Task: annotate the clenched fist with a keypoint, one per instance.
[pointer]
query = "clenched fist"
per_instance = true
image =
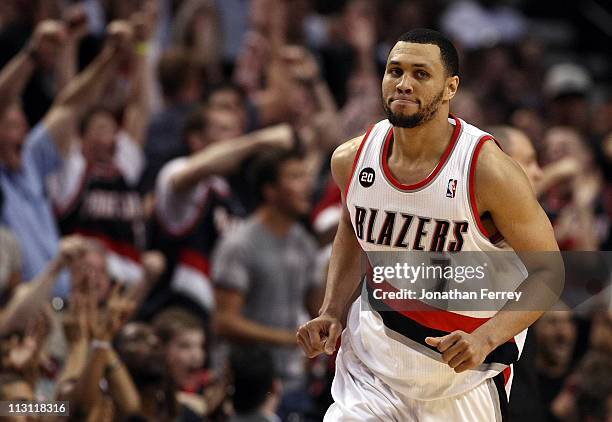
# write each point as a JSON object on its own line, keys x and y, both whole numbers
{"x": 319, "y": 335}
{"x": 461, "y": 350}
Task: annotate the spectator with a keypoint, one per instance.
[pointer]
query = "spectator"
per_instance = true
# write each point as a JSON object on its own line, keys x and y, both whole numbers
{"x": 572, "y": 182}
{"x": 195, "y": 206}
{"x": 95, "y": 191}
{"x": 256, "y": 387}
{"x": 138, "y": 347}
{"x": 183, "y": 339}
{"x": 263, "y": 270}
{"x": 518, "y": 146}
{"x": 181, "y": 86}
{"x": 555, "y": 337}
{"x": 587, "y": 394}
{"x": 28, "y": 158}
{"x": 566, "y": 86}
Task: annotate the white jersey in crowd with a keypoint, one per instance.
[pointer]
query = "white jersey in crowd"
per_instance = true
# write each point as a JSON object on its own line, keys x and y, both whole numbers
{"x": 437, "y": 214}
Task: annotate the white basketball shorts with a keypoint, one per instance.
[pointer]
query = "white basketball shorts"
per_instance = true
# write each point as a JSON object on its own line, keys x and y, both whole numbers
{"x": 361, "y": 397}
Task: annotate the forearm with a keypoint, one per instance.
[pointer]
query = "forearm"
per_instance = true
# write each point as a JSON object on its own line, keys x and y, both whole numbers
{"x": 13, "y": 78}
{"x": 87, "y": 390}
{"x": 539, "y": 291}
{"x": 219, "y": 158}
{"x": 76, "y": 98}
{"x": 32, "y": 296}
{"x": 66, "y": 65}
{"x": 241, "y": 329}
{"x": 324, "y": 98}
{"x": 75, "y": 362}
{"x": 344, "y": 274}
{"x": 122, "y": 388}
{"x": 138, "y": 109}
{"x": 365, "y": 62}
{"x": 87, "y": 87}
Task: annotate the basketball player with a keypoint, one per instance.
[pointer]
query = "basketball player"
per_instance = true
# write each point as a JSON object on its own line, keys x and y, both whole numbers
{"x": 424, "y": 180}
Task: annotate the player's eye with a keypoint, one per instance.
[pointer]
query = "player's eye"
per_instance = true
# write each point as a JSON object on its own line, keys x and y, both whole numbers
{"x": 395, "y": 71}
{"x": 421, "y": 74}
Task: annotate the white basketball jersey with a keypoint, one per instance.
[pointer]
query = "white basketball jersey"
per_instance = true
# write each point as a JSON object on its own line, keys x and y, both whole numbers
{"x": 437, "y": 214}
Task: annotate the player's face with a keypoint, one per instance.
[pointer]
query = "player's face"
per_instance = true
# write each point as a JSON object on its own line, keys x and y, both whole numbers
{"x": 99, "y": 138}
{"x": 524, "y": 154}
{"x": 185, "y": 355}
{"x": 293, "y": 190}
{"x": 415, "y": 84}
{"x": 13, "y": 130}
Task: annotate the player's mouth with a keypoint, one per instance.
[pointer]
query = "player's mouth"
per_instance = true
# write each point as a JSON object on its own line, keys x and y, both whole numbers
{"x": 404, "y": 101}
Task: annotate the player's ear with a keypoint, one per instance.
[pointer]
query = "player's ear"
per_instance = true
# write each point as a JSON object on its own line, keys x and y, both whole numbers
{"x": 452, "y": 84}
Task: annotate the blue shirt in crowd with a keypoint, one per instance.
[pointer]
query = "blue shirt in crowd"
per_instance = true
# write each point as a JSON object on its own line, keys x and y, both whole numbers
{"x": 27, "y": 210}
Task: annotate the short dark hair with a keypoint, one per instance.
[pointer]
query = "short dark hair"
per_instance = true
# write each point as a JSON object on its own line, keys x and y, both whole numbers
{"x": 172, "y": 321}
{"x": 174, "y": 70}
{"x": 98, "y": 109}
{"x": 226, "y": 85}
{"x": 253, "y": 375}
{"x": 266, "y": 167}
{"x": 448, "y": 52}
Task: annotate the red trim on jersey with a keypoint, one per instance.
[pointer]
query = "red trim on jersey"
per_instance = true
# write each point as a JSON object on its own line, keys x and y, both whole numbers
{"x": 363, "y": 141}
{"x": 195, "y": 260}
{"x": 433, "y": 174}
{"x": 428, "y": 316}
{"x": 472, "y": 180}
{"x": 507, "y": 373}
{"x": 189, "y": 227}
{"x": 125, "y": 249}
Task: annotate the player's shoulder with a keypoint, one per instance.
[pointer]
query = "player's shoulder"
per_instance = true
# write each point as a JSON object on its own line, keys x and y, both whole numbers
{"x": 495, "y": 165}
{"x": 499, "y": 179}
{"x": 343, "y": 158}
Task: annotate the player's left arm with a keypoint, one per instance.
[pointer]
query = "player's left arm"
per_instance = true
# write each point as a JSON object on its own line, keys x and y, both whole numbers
{"x": 504, "y": 191}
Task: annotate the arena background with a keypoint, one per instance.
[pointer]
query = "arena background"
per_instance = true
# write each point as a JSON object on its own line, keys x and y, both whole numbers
{"x": 175, "y": 310}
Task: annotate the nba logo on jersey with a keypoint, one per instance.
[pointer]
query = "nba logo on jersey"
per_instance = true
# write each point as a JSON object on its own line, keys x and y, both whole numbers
{"x": 451, "y": 188}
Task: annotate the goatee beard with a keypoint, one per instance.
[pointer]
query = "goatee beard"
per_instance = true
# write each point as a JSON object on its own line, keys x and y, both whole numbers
{"x": 414, "y": 120}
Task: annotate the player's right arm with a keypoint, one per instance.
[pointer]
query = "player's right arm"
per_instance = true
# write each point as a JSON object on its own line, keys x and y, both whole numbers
{"x": 321, "y": 334}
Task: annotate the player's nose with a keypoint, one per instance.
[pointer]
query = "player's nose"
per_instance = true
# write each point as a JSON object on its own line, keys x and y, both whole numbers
{"x": 404, "y": 84}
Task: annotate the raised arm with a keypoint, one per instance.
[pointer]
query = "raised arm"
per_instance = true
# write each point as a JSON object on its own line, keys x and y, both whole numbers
{"x": 82, "y": 92}
{"x": 343, "y": 277}
{"x": 224, "y": 156}
{"x": 32, "y": 296}
{"x": 66, "y": 65}
{"x": 138, "y": 108}
{"x": 504, "y": 191}
{"x": 17, "y": 72}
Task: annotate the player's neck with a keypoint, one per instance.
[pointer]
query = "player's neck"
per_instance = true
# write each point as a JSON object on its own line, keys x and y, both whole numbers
{"x": 274, "y": 219}
{"x": 424, "y": 141}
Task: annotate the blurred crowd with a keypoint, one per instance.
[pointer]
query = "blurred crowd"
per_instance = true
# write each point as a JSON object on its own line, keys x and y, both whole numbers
{"x": 167, "y": 208}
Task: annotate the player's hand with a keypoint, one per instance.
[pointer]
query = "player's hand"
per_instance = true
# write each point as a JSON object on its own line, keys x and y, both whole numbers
{"x": 460, "y": 350}
{"x": 319, "y": 335}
